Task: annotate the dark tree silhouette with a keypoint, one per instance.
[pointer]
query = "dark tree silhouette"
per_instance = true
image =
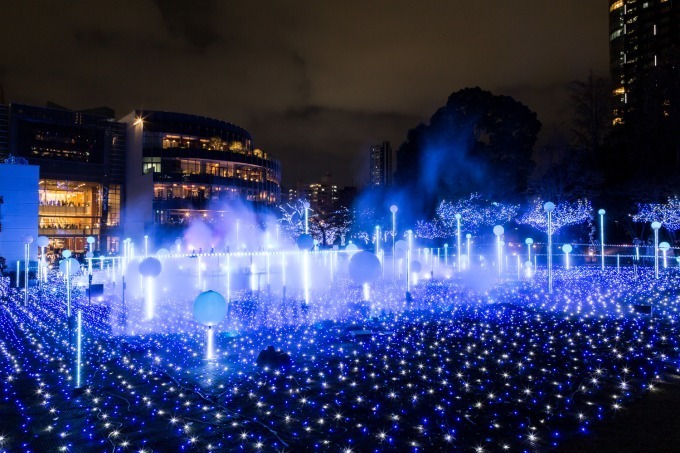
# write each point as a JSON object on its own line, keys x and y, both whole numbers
{"x": 478, "y": 142}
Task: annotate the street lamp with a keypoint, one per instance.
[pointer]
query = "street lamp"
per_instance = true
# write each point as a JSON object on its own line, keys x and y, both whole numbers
{"x": 566, "y": 248}
{"x": 549, "y": 207}
{"x": 393, "y": 210}
{"x": 306, "y": 205}
{"x": 498, "y": 230}
{"x": 655, "y": 227}
{"x": 528, "y": 242}
{"x": 28, "y": 239}
{"x": 602, "y": 212}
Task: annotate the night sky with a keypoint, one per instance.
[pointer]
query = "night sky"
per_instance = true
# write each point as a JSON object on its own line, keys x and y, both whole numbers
{"x": 315, "y": 82}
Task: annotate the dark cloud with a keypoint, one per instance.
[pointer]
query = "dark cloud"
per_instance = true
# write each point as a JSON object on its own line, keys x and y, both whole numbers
{"x": 315, "y": 82}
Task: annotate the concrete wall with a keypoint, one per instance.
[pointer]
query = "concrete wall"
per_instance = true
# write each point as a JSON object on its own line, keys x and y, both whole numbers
{"x": 19, "y": 212}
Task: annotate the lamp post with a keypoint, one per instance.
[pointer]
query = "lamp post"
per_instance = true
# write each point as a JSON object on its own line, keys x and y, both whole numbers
{"x": 549, "y": 207}
{"x": 408, "y": 261}
{"x": 655, "y": 227}
{"x": 567, "y": 248}
{"x": 528, "y": 242}
{"x": 146, "y": 245}
{"x": 498, "y": 230}
{"x": 377, "y": 241}
{"x": 602, "y": 212}
{"x": 458, "y": 216}
{"x": 178, "y": 243}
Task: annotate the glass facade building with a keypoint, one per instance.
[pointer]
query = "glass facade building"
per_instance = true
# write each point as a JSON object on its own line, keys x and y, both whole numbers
{"x": 201, "y": 166}
{"x": 82, "y": 171}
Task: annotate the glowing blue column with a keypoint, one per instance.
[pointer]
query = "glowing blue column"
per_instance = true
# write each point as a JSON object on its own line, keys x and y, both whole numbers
{"x": 549, "y": 207}
{"x": 602, "y": 213}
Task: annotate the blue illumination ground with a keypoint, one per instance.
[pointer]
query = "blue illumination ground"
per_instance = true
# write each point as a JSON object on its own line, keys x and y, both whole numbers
{"x": 511, "y": 368}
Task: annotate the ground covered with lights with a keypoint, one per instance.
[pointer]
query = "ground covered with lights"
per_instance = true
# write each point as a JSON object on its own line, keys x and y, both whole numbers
{"x": 455, "y": 367}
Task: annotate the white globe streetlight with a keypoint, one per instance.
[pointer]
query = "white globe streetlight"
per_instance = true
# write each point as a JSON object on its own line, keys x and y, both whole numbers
{"x": 458, "y": 216}
{"x": 468, "y": 237}
{"x": 498, "y": 230}
{"x": 664, "y": 247}
{"x": 567, "y": 248}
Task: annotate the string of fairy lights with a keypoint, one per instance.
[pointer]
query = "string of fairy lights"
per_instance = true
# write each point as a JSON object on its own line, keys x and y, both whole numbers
{"x": 457, "y": 366}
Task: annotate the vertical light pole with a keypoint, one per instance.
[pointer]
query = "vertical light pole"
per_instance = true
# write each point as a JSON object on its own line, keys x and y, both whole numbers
{"x": 602, "y": 212}
{"x": 458, "y": 216}
{"x": 146, "y": 245}
{"x": 549, "y": 207}
{"x": 529, "y": 242}
{"x": 498, "y": 230}
{"x": 664, "y": 247}
{"x": 408, "y": 260}
{"x": 655, "y": 227}
{"x": 43, "y": 241}
{"x": 377, "y": 241}
{"x": 28, "y": 239}
{"x": 446, "y": 256}
{"x": 469, "y": 257}
{"x": 178, "y": 243}
{"x": 306, "y": 205}
{"x": 393, "y": 210}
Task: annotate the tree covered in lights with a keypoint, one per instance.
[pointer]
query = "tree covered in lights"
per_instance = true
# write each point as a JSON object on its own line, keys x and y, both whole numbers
{"x": 328, "y": 227}
{"x": 476, "y": 212}
{"x": 566, "y": 213}
{"x": 293, "y": 218}
{"x": 667, "y": 213}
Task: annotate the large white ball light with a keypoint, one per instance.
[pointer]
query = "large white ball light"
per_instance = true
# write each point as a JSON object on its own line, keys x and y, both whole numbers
{"x": 305, "y": 242}
{"x": 42, "y": 241}
{"x": 210, "y": 308}
{"x": 150, "y": 267}
{"x": 364, "y": 267}
{"x": 72, "y": 270}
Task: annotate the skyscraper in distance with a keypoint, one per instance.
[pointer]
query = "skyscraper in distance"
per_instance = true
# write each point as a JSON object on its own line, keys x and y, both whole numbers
{"x": 380, "y": 165}
{"x": 642, "y": 34}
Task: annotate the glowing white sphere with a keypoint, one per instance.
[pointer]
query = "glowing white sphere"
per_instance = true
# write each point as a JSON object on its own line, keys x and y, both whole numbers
{"x": 162, "y": 252}
{"x": 664, "y": 246}
{"x": 656, "y": 225}
{"x": 90, "y": 239}
{"x": 42, "y": 241}
{"x": 528, "y": 264}
{"x": 351, "y": 248}
{"x": 150, "y": 267}
{"x": 498, "y": 230}
{"x": 27, "y": 238}
{"x": 549, "y": 206}
{"x": 529, "y": 241}
{"x": 210, "y": 308}
{"x": 70, "y": 265}
{"x": 66, "y": 253}
{"x": 394, "y": 209}
{"x": 602, "y": 212}
{"x": 89, "y": 255}
{"x": 468, "y": 235}
{"x": 305, "y": 242}
{"x": 567, "y": 248}
{"x": 364, "y": 267}
{"x": 178, "y": 241}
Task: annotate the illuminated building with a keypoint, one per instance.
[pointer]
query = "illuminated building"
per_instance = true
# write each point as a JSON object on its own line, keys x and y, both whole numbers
{"x": 380, "y": 165}
{"x": 182, "y": 167}
{"x": 641, "y": 34}
{"x": 81, "y": 159}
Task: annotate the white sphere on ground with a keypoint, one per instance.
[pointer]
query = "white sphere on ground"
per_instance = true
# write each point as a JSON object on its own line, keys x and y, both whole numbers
{"x": 416, "y": 266}
{"x": 664, "y": 246}
{"x": 69, "y": 266}
{"x": 150, "y": 267}
{"x": 351, "y": 248}
{"x": 305, "y": 242}
{"x": 364, "y": 267}
{"x": 567, "y": 248}
{"x": 498, "y": 230}
{"x": 210, "y": 308}
{"x": 66, "y": 253}
{"x": 42, "y": 241}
